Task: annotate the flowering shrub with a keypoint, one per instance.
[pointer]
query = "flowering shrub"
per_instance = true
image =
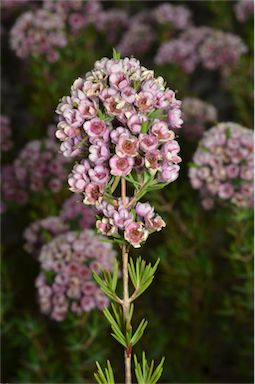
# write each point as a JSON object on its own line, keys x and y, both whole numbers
{"x": 65, "y": 281}
{"x": 38, "y": 33}
{"x": 6, "y": 133}
{"x": 196, "y": 115}
{"x": 222, "y": 166}
{"x": 211, "y": 48}
{"x": 120, "y": 117}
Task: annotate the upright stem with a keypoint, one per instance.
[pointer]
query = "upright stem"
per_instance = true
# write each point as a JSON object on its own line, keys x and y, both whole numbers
{"x": 126, "y": 303}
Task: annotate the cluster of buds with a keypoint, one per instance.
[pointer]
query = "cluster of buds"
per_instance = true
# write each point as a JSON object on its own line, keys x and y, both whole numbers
{"x": 65, "y": 284}
{"x": 5, "y": 136}
{"x": 204, "y": 46}
{"x": 197, "y": 114}
{"x": 222, "y": 167}
{"x": 120, "y": 118}
{"x": 38, "y": 33}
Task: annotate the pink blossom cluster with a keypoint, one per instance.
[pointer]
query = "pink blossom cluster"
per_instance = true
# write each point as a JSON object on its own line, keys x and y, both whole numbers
{"x": 136, "y": 224}
{"x": 177, "y": 16}
{"x": 42, "y": 231}
{"x": 120, "y": 118}
{"x": 38, "y": 33}
{"x": 38, "y": 167}
{"x": 197, "y": 114}
{"x": 73, "y": 210}
{"x": 111, "y": 22}
{"x": 204, "y": 46}
{"x": 137, "y": 40}
{"x": 76, "y": 14}
{"x": 5, "y": 134}
{"x": 222, "y": 166}
{"x": 65, "y": 283}
{"x": 244, "y": 9}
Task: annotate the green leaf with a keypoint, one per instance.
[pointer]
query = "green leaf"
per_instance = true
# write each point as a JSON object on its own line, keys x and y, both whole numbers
{"x": 145, "y": 126}
{"x": 145, "y": 373}
{"x": 104, "y": 378}
{"x": 139, "y": 332}
{"x": 116, "y": 54}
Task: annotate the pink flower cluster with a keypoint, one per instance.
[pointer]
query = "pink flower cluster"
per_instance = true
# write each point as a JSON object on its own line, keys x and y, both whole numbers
{"x": 196, "y": 115}
{"x": 41, "y": 231}
{"x": 244, "y": 9}
{"x": 136, "y": 224}
{"x": 111, "y": 22}
{"x": 178, "y": 16}
{"x": 223, "y": 165}
{"x": 121, "y": 118}
{"x": 37, "y": 33}
{"x": 76, "y": 14}
{"x": 137, "y": 39}
{"x": 65, "y": 283}
{"x": 73, "y": 210}
{"x": 38, "y": 166}
{"x": 5, "y": 133}
{"x": 210, "y": 48}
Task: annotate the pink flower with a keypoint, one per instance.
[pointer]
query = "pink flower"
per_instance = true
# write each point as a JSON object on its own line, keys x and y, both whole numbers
{"x": 87, "y": 303}
{"x": 152, "y": 159}
{"x": 87, "y": 108}
{"x": 134, "y": 122}
{"x": 95, "y": 127}
{"x": 169, "y": 173}
{"x": 128, "y": 94}
{"x": 135, "y": 234}
{"x": 148, "y": 142}
{"x": 73, "y": 118}
{"x": 105, "y": 227}
{"x": 99, "y": 174}
{"x": 121, "y": 166}
{"x": 99, "y": 152}
{"x": 93, "y": 193}
{"x": 127, "y": 146}
{"x": 118, "y": 80}
{"x": 144, "y": 210}
{"x": 122, "y": 218}
{"x": 174, "y": 118}
{"x": 144, "y": 101}
{"x": 169, "y": 151}
{"x": 160, "y": 129}
{"x": 226, "y": 191}
{"x": 155, "y": 223}
{"x": 78, "y": 179}
{"x": 116, "y": 133}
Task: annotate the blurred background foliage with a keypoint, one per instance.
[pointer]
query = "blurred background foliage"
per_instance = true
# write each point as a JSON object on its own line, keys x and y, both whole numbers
{"x": 200, "y": 304}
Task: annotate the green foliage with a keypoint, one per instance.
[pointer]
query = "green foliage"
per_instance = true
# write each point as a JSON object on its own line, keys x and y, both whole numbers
{"x": 145, "y": 373}
{"x": 108, "y": 283}
{"x": 107, "y": 377}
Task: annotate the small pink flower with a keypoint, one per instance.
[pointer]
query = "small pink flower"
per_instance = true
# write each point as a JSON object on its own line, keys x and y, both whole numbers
{"x": 135, "y": 234}
{"x": 144, "y": 101}
{"x": 87, "y": 303}
{"x": 122, "y": 218}
{"x": 148, "y": 142}
{"x": 127, "y": 146}
{"x": 95, "y": 127}
{"x": 117, "y": 132}
{"x": 105, "y": 227}
{"x": 93, "y": 194}
{"x": 134, "y": 123}
{"x": 121, "y": 166}
{"x": 152, "y": 159}
{"x": 118, "y": 80}
{"x": 169, "y": 151}
{"x": 73, "y": 118}
{"x": 114, "y": 105}
{"x": 99, "y": 152}
{"x": 155, "y": 223}
{"x": 174, "y": 118}
{"x": 78, "y": 179}
{"x": 87, "y": 108}
{"x": 232, "y": 170}
{"x": 226, "y": 191}
{"x": 144, "y": 210}
{"x": 128, "y": 94}
{"x": 160, "y": 129}
{"x": 99, "y": 174}
{"x": 169, "y": 173}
